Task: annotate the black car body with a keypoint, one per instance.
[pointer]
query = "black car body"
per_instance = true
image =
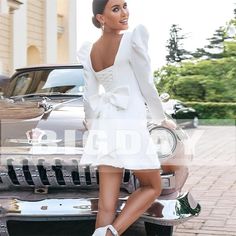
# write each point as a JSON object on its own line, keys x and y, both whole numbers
{"x": 184, "y": 115}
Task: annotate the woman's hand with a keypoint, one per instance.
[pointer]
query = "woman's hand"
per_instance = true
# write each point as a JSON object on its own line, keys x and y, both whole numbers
{"x": 168, "y": 124}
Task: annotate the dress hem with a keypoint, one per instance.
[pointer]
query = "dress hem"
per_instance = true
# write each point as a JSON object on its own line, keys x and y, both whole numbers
{"x": 123, "y": 167}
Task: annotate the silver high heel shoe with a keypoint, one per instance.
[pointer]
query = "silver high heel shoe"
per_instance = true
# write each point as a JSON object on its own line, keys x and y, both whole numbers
{"x": 101, "y": 231}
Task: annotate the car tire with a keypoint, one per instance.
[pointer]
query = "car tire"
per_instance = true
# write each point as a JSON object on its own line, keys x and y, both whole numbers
{"x": 158, "y": 230}
{"x": 195, "y": 122}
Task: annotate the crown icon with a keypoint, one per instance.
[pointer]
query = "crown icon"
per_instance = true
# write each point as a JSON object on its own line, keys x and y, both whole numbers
{"x": 35, "y": 136}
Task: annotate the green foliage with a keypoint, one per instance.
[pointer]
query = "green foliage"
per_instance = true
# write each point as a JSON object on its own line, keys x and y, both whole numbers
{"x": 210, "y": 110}
{"x": 230, "y": 49}
{"x": 209, "y": 76}
{"x": 183, "y": 87}
{"x": 206, "y": 80}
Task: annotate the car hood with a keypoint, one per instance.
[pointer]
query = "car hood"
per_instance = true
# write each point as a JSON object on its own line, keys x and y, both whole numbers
{"x": 61, "y": 124}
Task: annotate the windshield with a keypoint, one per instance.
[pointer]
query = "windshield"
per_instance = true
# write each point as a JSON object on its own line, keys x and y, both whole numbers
{"x": 67, "y": 81}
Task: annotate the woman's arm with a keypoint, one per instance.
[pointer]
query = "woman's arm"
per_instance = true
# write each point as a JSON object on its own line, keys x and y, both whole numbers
{"x": 140, "y": 62}
{"x": 91, "y": 86}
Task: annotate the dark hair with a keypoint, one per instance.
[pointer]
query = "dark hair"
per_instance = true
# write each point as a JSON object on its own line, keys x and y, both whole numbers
{"x": 98, "y": 8}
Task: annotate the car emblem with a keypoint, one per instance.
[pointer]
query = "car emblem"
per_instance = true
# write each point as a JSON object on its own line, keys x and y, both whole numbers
{"x": 35, "y": 136}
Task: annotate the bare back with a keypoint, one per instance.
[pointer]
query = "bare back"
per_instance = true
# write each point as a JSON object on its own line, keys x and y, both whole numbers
{"x": 104, "y": 52}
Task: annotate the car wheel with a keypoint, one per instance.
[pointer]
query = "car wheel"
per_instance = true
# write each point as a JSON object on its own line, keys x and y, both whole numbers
{"x": 195, "y": 122}
{"x": 158, "y": 230}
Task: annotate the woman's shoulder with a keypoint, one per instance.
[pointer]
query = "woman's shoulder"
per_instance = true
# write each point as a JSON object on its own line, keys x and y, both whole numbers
{"x": 84, "y": 51}
{"x": 140, "y": 29}
{"x": 139, "y": 36}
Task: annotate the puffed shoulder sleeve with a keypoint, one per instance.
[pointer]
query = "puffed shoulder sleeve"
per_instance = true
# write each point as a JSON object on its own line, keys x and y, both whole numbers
{"x": 91, "y": 84}
{"x": 140, "y": 62}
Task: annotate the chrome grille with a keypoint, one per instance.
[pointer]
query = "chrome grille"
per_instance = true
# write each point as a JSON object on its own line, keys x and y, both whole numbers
{"x": 56, "y": 174}
{"x": 61, "y": 172}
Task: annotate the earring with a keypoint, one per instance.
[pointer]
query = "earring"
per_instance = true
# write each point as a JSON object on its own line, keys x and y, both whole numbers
{"x": 102, "y": 26}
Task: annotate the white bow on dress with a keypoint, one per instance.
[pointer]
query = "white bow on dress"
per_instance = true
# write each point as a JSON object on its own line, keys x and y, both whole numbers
{"x": 103, "y": 103}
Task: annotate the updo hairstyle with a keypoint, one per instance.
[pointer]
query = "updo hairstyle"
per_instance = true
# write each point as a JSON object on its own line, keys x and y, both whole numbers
{"x": 98, "y": 8}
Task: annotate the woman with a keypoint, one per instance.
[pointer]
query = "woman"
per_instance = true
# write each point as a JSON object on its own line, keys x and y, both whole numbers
{"x": 117, "y": 118}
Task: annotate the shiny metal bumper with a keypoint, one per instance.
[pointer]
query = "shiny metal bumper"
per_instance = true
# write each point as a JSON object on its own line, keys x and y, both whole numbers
{"x": 162, "y": 212}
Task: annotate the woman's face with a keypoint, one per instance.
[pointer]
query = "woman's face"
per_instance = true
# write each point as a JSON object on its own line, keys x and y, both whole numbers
{"x": 115, "y": 15}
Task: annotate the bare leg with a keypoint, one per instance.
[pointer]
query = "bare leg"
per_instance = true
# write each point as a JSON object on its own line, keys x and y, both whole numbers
{"x": 109, "y": 189}
{"x": 140, "y": 200}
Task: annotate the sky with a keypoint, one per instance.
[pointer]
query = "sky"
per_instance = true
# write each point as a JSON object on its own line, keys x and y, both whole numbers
{"x": 197, "y": 18}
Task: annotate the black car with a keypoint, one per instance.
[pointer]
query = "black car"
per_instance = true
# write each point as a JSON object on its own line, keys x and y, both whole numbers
{"x": 184, "y": 115}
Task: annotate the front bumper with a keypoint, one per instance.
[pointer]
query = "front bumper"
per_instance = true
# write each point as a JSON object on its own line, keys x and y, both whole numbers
{"x": 162, "y": 212}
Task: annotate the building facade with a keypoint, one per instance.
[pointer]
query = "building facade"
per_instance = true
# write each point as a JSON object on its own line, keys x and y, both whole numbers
{"x": 36, "y": 32}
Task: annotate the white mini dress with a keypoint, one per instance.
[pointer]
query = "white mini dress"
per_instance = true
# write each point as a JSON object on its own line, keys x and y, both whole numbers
{"x": 118, "y": 135}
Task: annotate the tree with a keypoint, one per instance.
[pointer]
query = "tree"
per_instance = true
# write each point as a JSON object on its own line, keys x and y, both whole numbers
{"x": 200, "y": 53}
{"x": 217, "y": 46}
{"x": 202, "y": 80}
{"x": 216, "y": 43}
{"x": 205, "y": 80}
{"x": 176, "y": 53}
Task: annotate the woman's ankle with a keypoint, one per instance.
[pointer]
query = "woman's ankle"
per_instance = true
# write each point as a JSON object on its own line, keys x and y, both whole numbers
{"x": 111, "y": 231}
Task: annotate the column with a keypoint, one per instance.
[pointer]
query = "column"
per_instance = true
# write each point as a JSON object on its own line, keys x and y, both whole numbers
{"x": 51, "y": 31}
{"x": 3, "y": 7}
{"x": 19, "y": 36}
{"x": 72, "y": 28}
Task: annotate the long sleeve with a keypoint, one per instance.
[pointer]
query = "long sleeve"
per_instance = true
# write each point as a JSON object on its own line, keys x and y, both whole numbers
{"x": 91, "y": 84}
{"x": 141, "y": 66}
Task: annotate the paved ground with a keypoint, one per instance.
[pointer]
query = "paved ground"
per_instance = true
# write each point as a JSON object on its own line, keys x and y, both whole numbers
{"x": 212, "y": 181}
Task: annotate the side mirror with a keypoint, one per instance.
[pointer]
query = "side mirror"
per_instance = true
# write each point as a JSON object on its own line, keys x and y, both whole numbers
{"x": 165, "y": 97}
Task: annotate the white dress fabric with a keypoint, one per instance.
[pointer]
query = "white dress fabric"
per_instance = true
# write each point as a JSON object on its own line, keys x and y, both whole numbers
{"x": 117, "y": 118}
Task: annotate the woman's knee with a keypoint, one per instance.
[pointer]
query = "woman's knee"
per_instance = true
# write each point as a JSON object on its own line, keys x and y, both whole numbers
{"x": 157, "y": 190}
{"x": 154, "y": 188}
{"x": 157, "y": 186}
{"x": 152, "y": 180}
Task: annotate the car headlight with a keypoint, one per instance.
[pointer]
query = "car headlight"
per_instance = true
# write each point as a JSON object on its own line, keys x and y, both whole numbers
{"x": 165, "y": 140}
